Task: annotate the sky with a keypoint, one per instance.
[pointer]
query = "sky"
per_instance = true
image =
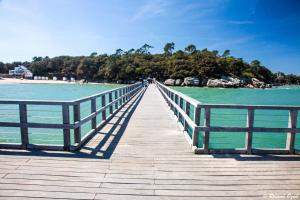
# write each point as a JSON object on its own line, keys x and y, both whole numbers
{"x": 267, "y": 30}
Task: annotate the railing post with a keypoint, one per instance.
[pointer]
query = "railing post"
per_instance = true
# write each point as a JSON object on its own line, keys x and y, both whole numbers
{"x": 290, "y": 142}
{"x": 175, "y": 108}
{"x": 23, "y": 120}
{"x": 171, "y": 98}
{"x": 121, "y": 98}
{"x": 110, "y": 100}
{"x": 129, "y": 91}
{"x": 195, "y": 136}
{"x": 124, "y": 96}
{"x": 206, "y": 132}
{"x": 77, "y": 131}
{"x": 103, "y": 104}
{"x": 187, "y": 111}
{"x": 66, "y": 131}
{"x": 249, "y": 133}
{"x": 168, "y": 95}
{"x": 181, "y": 106}
{"x": 93, "y": 110}
{"x": 116, "y": 97}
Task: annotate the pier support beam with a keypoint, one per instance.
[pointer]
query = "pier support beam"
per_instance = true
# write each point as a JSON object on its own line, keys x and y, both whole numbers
{"x": 249, "y": 134}
{"x": 77, "y": 131}
{"x": 206, "y": 133}
{"x": 66, "y": 131}
{"x": 23, "y": 120}
{"x": 290, "y": 142}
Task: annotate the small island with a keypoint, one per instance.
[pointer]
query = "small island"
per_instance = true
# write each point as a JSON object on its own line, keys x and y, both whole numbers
{"x": 187, "y": 67}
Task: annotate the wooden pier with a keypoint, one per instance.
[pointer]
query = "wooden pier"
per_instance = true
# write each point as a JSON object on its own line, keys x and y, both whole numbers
{"x": 141, "y": 153}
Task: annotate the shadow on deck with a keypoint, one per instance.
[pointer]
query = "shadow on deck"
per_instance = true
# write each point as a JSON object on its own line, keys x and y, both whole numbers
{"x": 262, "y": 157}
{"x": 112, "y": 132}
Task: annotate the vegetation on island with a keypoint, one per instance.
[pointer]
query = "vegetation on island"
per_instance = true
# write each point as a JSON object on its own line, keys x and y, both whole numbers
{"x": 135, "y": 64}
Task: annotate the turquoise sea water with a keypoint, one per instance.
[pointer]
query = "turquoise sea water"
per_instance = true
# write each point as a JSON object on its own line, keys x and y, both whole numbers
{"x": 289, "y": 95}
{"x": 43, "y": 113}
{"x": 285, "y": 95}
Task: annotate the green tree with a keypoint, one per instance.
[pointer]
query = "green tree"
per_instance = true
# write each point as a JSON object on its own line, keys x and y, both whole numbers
{"x": 3, "y": 68}
{"x": 226, "y": 53}
{"x": 190, "y": 49}
{"x": 93, "y": 54}
{"x": 136, "y": 64}
{"x": 119, "y": 52}
{"x": 144, "y": 49}
{"x": 169, "y": 47}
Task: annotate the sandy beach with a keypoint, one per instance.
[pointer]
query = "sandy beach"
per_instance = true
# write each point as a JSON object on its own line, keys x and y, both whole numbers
{"x": 24, "y": 81}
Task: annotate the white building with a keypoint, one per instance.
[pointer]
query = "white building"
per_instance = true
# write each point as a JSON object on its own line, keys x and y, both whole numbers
{"x": 21, "y": 71}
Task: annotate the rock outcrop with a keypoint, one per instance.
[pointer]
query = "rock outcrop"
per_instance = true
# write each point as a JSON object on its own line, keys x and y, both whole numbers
{"x": 259, "y": 84}
{"x": 225, "y": 82}
{"x": 178, "y": 82}
{"x": 191, "y": 81}
{"x": 169, "y": 82}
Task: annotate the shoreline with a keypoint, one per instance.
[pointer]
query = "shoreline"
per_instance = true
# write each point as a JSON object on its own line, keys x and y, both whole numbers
{"x": 30, "y": 81}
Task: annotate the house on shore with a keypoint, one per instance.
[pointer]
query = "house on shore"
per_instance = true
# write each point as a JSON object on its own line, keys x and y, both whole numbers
{"x": 21, "y": 71}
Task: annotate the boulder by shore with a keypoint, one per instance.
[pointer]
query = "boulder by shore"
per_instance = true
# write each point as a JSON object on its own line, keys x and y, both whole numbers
{"x": 223, "y": 82}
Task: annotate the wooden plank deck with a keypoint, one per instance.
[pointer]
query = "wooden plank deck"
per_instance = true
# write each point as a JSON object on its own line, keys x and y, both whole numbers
{"x": 142, "y": 154}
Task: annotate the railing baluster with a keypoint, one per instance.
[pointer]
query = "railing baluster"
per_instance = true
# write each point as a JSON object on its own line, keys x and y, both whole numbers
{"x": 130, "y": 91}
{"x": 23, "y": 120}
{"x": 66, "y": 131}
{"x": 103, "y": 104}
{"x": 124, "y": 97}
{"x": 290, "y": 142}
{"x": 187, "y": 111}
{"x": 121, "y": 98}
{"x": 126, "y": 91}
{"x": 77, "y": 131}
{"x": 93, "y": 110}
{"x": 249, "y": 134}
{"x": 171, "y": 97}
{"x": 195, "y": 136}
{"x": 181, "y": 106}
{"x": 111, "y": 106}
{"x": 176, "y": 112}
{"x": 116, "y": 97}
{"x": 206, "y": 133}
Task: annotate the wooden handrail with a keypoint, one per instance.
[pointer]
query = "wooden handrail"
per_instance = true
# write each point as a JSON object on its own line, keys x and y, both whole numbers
{"x": 172, "y": 97}
{"x": 125, "y": 94}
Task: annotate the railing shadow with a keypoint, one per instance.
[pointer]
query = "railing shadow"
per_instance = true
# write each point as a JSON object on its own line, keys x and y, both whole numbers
{"x": 121, "y": 119}
{"x": 122, "y": 122}
{"x": 257, "y": 157}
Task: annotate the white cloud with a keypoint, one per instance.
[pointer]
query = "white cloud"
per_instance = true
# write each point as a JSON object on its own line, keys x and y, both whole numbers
{"x": 150, "y": 9}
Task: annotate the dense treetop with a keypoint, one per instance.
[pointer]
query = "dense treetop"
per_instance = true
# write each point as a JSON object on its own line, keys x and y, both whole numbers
{"x": 134, "y": 64}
